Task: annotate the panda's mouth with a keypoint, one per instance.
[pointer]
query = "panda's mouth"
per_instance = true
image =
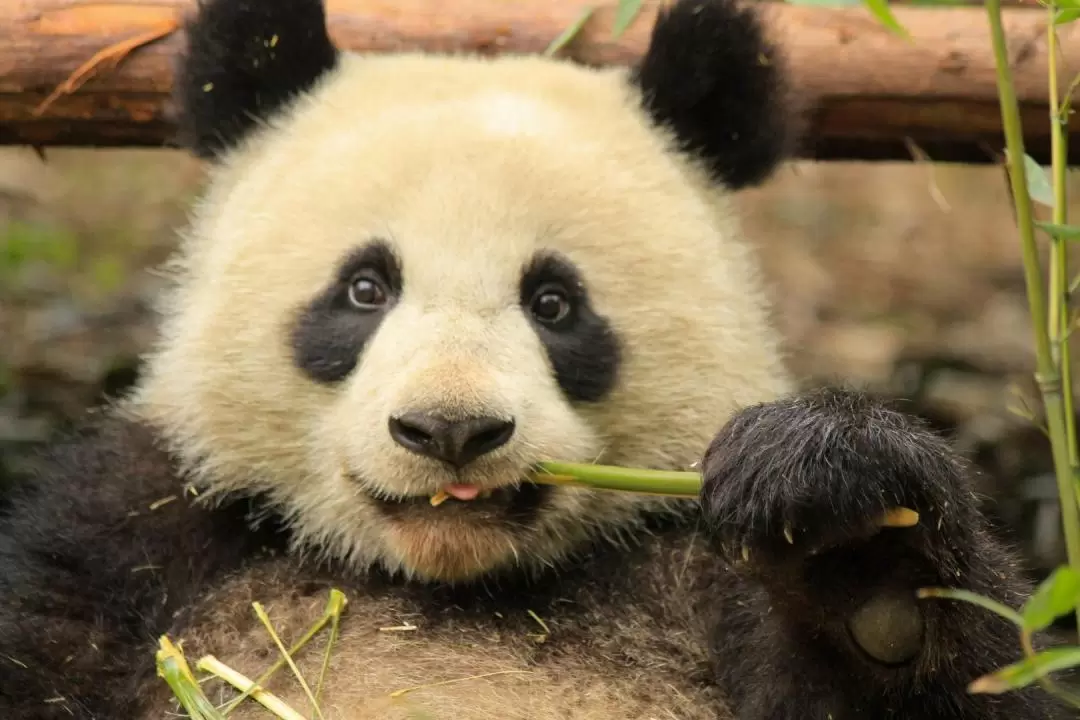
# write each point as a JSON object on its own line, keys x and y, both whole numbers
{"x": 518, "y": 503}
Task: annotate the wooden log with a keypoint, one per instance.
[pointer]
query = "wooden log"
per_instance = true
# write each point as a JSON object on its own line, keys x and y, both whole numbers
{"x": 870, "y": 93}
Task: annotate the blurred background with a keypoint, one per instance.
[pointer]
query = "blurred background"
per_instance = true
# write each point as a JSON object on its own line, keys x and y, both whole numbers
{"x": 903, "y": 278}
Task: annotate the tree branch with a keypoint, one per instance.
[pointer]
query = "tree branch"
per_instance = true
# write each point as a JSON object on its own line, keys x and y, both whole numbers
{"x": 869, "y": 93}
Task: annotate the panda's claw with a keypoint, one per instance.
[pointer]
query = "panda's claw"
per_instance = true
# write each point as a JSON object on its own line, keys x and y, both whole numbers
{"x": 900, "y": 517}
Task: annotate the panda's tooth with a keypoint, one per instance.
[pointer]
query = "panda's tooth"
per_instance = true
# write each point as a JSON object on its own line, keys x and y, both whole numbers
{"x": 439, "y": 498}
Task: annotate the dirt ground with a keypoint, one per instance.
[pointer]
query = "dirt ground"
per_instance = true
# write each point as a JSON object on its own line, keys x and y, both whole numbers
{"x": 900, "y": 277}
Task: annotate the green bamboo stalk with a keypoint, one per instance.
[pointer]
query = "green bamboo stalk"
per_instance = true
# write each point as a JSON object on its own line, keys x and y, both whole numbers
{"x": 1060, "y": 248}
{"x": 173, "y": 667}
{"x": 335, "y": 605}
{"x": 1047, "y": 375}
{"x": 609, "y": 477}
{"x": 277, "y": 707}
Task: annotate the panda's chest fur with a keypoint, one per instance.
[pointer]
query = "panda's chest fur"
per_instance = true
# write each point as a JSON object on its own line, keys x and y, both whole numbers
{"x": 610, "y": 640}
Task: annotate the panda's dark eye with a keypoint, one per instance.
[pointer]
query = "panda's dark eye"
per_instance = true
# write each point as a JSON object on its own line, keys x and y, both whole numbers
{"x": 550, "y": 305}
{"x": 367, "y": 291}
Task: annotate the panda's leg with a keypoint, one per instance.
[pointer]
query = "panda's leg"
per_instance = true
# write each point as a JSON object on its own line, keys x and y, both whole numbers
{"x": 822, "y": 618}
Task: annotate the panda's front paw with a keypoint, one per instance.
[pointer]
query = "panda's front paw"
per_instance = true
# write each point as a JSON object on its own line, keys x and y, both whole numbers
{"x": 799, "y": 476}
{"x": 818, "y": 614}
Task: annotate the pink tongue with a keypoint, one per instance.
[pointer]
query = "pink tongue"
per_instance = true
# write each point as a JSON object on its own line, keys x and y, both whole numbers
{"x": 461, "y": 491}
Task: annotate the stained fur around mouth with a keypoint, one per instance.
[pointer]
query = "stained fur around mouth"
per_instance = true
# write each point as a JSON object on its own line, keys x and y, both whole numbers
{"x": 510, "y": 503}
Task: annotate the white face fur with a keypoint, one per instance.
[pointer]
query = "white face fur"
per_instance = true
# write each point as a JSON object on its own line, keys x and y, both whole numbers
{"x": 466, "y": 172}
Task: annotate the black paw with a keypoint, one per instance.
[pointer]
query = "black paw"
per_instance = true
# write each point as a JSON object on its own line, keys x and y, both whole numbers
{"x": 798, "y": 476}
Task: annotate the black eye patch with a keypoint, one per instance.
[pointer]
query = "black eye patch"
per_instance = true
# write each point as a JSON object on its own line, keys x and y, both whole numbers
{"x": 581, "y": 345}
{"x": 330, "y": 332}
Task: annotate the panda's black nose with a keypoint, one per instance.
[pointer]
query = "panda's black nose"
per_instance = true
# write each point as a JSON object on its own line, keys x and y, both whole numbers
{"x": 456, "y": 442}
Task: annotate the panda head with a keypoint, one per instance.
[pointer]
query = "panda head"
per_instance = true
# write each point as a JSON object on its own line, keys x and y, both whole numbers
{"x": 413, "y": 273}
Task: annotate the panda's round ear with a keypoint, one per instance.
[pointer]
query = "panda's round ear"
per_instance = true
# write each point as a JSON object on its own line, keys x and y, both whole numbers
{"x": 243, "y": 61}
{"x": 713, "y": 79}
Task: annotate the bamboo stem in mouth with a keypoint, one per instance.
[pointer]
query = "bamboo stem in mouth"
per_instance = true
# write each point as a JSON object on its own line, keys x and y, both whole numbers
{"x": 673, "y": 483}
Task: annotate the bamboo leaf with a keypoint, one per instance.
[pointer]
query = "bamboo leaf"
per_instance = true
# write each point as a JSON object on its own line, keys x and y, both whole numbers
{"x": 881, "y": 10}
{"x": 569, "y": 33}
{"x": 970, "y": 597}
{"x": 1061, "y": 232}
{"x": 1055, "y": 596}
{"x": 624, "y": 15}
{"x": 1038, "y": 182}
{"x": 1027, "y": 671}
{"x": 1065, "y": 16}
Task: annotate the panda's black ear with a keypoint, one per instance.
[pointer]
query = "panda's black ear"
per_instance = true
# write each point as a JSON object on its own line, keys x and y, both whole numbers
{"x": 713, "y": 79}
{"x": 243, "y": 61}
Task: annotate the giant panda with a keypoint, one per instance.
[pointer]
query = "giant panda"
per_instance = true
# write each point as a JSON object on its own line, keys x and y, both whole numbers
{"x": 420, "y": 274}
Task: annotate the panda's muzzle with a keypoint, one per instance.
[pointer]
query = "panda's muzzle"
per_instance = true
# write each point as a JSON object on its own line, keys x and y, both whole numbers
{"x": 456, "y": 442}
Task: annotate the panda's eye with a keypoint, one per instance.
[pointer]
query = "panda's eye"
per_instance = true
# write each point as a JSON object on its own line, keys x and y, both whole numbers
{"x": 367, "y": 292}
{"x": 550, "y": 305}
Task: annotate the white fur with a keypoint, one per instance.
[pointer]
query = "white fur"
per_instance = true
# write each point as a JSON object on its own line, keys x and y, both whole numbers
{"x": 466, "y": 167}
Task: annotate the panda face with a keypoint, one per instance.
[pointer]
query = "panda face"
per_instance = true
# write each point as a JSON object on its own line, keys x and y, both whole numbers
{"x": 428, "y": 275}
{"x": 451, "y": 369}
{"x": 456, "y": 374}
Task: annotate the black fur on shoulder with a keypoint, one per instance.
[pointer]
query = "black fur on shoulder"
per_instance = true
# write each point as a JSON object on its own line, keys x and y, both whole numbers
{"x": 98, "y": 551}
{"x": 711, "y": 77}
{"x": 245, "y": 60}
{"x": 795, "y": 491}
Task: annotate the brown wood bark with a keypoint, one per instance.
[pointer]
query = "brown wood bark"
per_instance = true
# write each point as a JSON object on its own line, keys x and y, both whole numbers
{"x": 870, "y": 94}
